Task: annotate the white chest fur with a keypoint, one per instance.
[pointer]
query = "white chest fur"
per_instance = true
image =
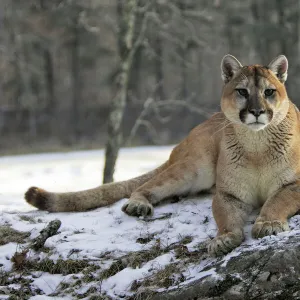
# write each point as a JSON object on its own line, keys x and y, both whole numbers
{"x": 255, "y": 170}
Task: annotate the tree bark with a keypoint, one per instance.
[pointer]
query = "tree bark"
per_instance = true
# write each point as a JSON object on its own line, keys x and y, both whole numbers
{"x": 75, "y": 79}
{"x": 49, "y": 81}
{"x": 159, "y": 72}
{"x": 183, "y": 56}
{"x": 158, "y": 63}
{"x": 127, "y": 48}
{"x": 281, "y": 21}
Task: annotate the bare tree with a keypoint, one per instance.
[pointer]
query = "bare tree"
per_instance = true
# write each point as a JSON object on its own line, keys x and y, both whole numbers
{"x": 127, "y": 11}
{"x": 75, "y": 73}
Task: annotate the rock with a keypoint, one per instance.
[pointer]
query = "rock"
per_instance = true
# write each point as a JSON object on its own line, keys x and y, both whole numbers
{"x": 268, "y": 273}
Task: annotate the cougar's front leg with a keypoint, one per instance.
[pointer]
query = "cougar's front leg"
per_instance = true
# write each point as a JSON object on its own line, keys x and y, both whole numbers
{"x": 230, "y": 214}
{"x": 176, "y": 180}
{"x": 276, "y": 210}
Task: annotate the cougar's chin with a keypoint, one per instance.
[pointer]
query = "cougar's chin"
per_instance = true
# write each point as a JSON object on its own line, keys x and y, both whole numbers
{"x": 256, "y": 126}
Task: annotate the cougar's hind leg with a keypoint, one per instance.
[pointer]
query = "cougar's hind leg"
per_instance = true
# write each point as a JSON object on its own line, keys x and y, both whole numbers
{"x": 178, "y": 179}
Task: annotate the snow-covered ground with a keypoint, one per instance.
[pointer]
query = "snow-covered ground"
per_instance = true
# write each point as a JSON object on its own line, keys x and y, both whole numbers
{"x": 104, "y": 234}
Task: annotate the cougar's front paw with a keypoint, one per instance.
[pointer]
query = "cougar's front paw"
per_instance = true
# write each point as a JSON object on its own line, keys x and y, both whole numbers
{"x": 224, "y": 243}
{"x": 138, "y": 208}
{"x": 264, "y": 228}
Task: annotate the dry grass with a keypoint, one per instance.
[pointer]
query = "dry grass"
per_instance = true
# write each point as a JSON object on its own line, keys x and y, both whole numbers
{"x": 61, "y": 266}
{"x": 29, "y": 219}
{"x": 10, "y": 235}
{"x": 165, "y": 277}
{"x": 137, "y": 259}
{"x": 21, "y": 275}
{"x": 14, "y": 292}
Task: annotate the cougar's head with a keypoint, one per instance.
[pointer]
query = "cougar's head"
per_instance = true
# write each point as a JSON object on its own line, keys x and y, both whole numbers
{"x": 254, "y": 96}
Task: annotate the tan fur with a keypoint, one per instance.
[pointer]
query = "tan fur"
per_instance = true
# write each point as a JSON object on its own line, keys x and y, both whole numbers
{"x": 251, "y": 163}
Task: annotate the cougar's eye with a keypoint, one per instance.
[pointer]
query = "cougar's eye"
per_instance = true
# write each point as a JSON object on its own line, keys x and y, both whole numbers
{"x": 269, "y": 92}
{"x": 242, "y": 92}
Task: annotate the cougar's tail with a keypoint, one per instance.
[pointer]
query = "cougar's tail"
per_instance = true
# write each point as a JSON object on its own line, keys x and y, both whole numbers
{"x": 84, "y": 200}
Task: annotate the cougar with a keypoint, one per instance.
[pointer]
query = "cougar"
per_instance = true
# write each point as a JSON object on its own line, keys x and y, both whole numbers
{"x": 249, "y": 153}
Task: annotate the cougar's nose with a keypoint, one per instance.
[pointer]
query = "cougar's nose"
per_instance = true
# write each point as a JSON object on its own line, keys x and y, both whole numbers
{"x": 256, "y": 112}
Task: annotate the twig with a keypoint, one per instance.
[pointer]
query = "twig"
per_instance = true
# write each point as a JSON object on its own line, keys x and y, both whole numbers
{"x": 155, "y": 106}
{"x": 19, "y": 258}
{"x": 50, "y": 230}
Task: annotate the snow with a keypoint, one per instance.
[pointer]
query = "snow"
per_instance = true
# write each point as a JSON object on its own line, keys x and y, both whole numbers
{"x": 121, "y": 282}
{"x": 68, "y": 171}
{"x": 5, "y": 255}
{"x": 42, "y": 297}
{"x": 91, "y": 235}
{"x": 48, "y": 282}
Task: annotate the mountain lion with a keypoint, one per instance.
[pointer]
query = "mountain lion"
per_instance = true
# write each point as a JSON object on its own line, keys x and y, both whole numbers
{"x": 250, "y": 152}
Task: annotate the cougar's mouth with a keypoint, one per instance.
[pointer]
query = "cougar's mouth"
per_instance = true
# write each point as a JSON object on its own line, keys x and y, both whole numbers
{"x": 256, "y": 126}
{"x": 256, "y": 123}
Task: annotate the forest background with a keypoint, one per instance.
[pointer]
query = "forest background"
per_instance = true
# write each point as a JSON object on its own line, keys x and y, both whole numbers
{"x": 81, "y": 74}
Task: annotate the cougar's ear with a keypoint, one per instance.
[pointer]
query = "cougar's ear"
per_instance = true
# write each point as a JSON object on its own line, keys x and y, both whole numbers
{"x": 279, "y": 67}
{"x": 229, "y": 66}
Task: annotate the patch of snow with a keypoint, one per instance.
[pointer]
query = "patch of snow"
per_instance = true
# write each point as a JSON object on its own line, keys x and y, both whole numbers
{"x": 121, "y": 282}
{"x": 43, "y": 297}
{"x": 229, "y": 256}
{"x": 196, "y": 272}
{"x": 6, "y": 252}
{"x": 70, "y": 171}
{"x": 48, "y": 283}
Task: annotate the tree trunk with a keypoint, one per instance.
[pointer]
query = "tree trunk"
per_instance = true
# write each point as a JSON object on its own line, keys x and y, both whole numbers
{"x": 298, "y": 31}
{"x": 158, "y": 63}
{"x": 259, "y": 30}
{"x": 159, "y": 72}
{"x": 49, "y": 81}
{"x": 75, "y": 80}
{"x": 17, "y": 87}
{"x": 127, "y": 47}
{"x": 280, "y": 6}
{"x": 183, "y": 56}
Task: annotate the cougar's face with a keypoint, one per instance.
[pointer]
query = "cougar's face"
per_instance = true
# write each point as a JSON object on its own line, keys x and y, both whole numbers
{"x": 254, "y": 97}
